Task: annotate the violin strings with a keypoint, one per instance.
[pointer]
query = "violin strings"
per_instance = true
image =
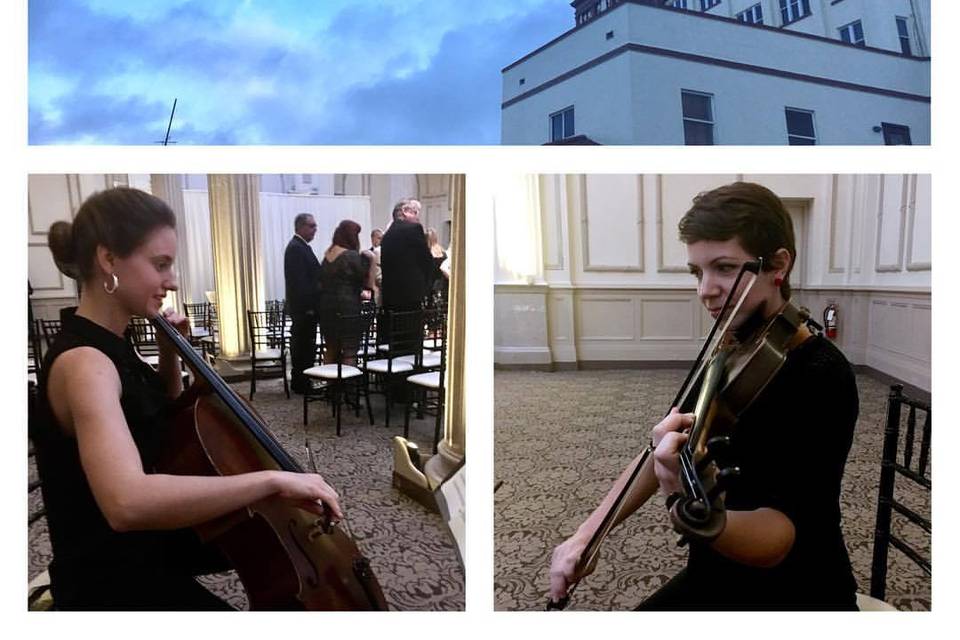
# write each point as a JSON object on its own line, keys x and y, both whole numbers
{"x": 716, "y": 337}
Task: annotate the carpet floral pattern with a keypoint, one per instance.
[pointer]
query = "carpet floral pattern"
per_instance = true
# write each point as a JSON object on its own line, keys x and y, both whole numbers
{"x": 561, "y": 439}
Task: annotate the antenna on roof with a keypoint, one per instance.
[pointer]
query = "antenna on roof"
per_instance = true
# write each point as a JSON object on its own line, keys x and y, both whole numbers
{"x": 166, "y": 139}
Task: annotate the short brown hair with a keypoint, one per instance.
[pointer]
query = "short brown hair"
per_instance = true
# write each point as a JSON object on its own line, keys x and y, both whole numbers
{"x": 749, "y": 212}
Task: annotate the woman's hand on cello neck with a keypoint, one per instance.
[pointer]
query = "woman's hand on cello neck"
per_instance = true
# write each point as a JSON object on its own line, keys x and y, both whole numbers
{"x": 180, "y": 323}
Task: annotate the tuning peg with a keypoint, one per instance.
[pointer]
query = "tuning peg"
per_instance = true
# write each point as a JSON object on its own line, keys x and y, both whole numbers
{"x": 717, "y": 449}
{"x": 724, "y": 476}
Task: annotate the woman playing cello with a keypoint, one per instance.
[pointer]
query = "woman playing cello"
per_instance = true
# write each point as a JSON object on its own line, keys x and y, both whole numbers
{"x": 118, "y": 530}
{"x": 781, "y": 547}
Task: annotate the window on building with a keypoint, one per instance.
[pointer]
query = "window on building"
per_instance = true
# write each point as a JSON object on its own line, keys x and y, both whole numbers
{"x": 753, "y": 15}
{"x": 697, "y": 118}
{"x": 708, "y": 4}
{"x": 679, "y": 4}
{"x": 800, "y": 130}
{"x": 853, "y": 33}
{"x": 895, "y": 134}
{"x": 904, "y": 33}
{"x": 793, "y": 10}
{"x": 561, "y": 125}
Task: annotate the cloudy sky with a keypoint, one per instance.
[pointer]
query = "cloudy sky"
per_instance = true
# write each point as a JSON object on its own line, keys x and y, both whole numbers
{"x": 278, "y": 71}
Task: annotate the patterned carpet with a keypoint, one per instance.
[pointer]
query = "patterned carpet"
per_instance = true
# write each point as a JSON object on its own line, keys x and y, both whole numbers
{"x": 410, "y": 549}
{"x": 561, "y": 439}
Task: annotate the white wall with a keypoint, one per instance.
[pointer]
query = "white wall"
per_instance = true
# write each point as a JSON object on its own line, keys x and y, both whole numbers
{"x": 615, "y": 286}
{"x": 53, "y": 197}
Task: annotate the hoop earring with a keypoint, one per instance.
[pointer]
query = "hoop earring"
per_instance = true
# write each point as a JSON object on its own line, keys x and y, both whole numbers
{"x": 116, "y": 284}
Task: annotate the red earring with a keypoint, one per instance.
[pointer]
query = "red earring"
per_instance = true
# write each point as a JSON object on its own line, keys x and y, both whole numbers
{"x": 777, "y": 281}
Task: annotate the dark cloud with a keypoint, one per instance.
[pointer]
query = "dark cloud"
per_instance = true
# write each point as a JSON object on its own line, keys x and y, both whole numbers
{"x": 455, "y": 100}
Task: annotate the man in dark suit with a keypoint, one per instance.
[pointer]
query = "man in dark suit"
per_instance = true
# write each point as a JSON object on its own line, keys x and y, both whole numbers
{"x": 301, "y": 272}
{"x": 405, "y": 260}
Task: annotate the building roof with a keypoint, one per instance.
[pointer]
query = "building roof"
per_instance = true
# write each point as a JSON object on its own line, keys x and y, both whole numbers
{"x": 659, "y": 6}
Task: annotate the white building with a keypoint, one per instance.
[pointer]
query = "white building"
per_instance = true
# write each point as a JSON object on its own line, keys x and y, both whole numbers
{"x": 727, "y": 72}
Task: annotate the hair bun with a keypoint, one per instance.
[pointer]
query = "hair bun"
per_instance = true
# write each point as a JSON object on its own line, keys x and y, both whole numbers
{"x": 60, "y": 240}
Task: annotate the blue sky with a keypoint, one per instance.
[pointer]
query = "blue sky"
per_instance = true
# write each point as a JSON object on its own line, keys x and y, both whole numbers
{"x": 278, "y": 71}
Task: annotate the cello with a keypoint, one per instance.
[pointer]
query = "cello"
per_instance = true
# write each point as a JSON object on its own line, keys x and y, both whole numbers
{"x": 718, "y": 389}
{"x": 286, "y": 557}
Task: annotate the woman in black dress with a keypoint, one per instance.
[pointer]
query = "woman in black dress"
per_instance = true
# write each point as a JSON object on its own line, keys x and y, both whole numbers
{"x": 119, "y": 531}
{"x": 438, "y": 290}
{"x": 782, "y": 547}
{"x": 346, "y": 277}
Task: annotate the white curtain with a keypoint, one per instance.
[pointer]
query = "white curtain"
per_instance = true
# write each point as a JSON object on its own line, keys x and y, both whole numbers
{"x": 196, "y": 211}
{"x": 277, "y": 212}
{"x": 517, "y": 233}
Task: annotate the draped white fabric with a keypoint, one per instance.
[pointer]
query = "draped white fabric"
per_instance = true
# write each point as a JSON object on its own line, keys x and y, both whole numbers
{"x": 277, "y": 212}
{"x": 196, "y": 211}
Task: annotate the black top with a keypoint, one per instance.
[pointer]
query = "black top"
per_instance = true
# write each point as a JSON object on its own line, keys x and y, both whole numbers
{"x": 407, "y": 266}
{"x": 791, "y": 446}
{"x": 89, "y": 556}
{"x": 439, "y": 280}
{"x": 301, "y": 273}
{"x": 341, "y": 282}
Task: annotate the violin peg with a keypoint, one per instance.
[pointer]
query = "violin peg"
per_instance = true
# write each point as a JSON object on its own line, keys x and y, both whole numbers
{"x": 722, "y": 481}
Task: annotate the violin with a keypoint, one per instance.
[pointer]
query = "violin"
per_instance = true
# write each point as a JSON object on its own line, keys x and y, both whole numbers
{"x": 717, "y": 389}
{"x": 286, "y": 557}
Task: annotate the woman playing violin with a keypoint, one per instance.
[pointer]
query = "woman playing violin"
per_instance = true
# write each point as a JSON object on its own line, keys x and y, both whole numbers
{"x": 782, "y": 546}
{"x": 119, "y": 530}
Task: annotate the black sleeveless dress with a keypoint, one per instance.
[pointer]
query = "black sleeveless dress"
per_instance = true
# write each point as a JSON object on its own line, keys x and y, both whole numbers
{"x": 95, "y": 567}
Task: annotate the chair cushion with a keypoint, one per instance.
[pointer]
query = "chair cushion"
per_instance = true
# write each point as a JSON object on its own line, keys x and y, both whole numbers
{"x": 329, "y": 372}
{"x": 430, "y": 379}
{"x": 868, "y": 603}
{"x": 430, "y": 358}
{"x": 267, "y": 354}
{"x": 152, "y": 360}
{"x": 382, "y": 366}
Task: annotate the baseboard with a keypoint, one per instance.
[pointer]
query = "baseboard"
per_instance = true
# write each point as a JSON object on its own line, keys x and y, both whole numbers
{"x": 911, "y": 391}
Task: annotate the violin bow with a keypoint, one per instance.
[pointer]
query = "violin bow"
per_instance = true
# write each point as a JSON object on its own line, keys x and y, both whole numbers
{"x": 592, "y": 549}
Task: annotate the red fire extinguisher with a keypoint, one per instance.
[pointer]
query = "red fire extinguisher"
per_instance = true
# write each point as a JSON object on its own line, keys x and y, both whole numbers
{"x": 830, "y": 318}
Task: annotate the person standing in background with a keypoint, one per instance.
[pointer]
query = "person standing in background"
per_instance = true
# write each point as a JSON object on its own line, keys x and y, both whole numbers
{"x": 406, "y": 264}
{"x": 376, "y": 237}
{"x": 301, "y": 272}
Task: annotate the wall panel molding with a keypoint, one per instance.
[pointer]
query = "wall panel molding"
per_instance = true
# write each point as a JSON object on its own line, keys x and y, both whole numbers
{"x": 891, "y": 220}
{"x": 920, "y": 226}
{"x": 590, "y": 262}
{"x": 836, "y": 244}
{"x": 556, "y": 214}
{"x": 886, "y": 329}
